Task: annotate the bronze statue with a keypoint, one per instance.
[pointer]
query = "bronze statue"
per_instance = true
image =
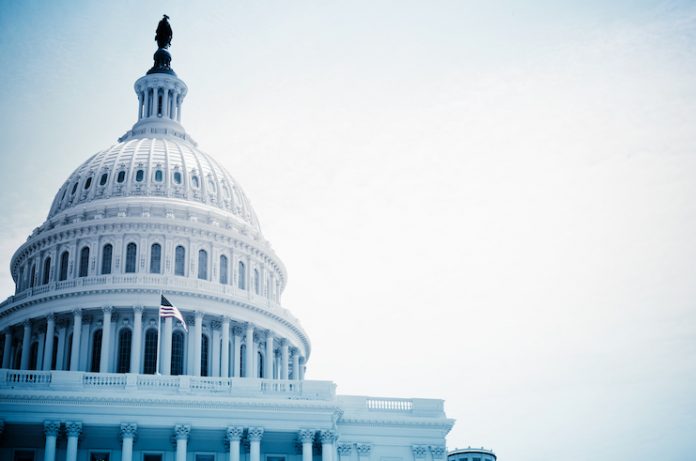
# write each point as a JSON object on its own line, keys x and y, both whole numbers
{"x": 163, "y": 35}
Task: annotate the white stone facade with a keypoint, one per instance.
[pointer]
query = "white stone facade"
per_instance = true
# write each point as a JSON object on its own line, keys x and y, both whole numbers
{"x": 90, "y": 373}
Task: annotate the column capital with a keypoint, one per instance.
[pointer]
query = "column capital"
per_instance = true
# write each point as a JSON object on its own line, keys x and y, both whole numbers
{"x": 26, "y": 324}
{"x": 77, "y": 312}
{"x": 344, "y": 449}
{"x": 215, "y": 325}
{"x": 234, "y": 433}
{"x": 237, "y": 331}
{"x": 51, "y": 317}
{"x": 249, "y": 326}
{"x": 51, "y": 428}
{"x": 363, "y": 449}
{"x": 73, "y": 428}
{"x": 306, "y": 435}
{"x": 328, "y": 436}
{"x": 284, "y": 342}
{"x": 255, "y": 434}
{"x": 107, "y": 309}
{"x": 181, "y": 431}
{"x": 419, "y": 451}
{"x": 438, "y": 451}
{"x": 138, "y": 309}
{"x": 225, "y": 320}
{"x": 128, "y": 430}
{"x": 269, "y": 335}
{"x": 198, "y": 315}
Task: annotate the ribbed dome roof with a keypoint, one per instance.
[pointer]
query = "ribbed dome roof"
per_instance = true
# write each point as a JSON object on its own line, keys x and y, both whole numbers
{"x": 154, "y": 167}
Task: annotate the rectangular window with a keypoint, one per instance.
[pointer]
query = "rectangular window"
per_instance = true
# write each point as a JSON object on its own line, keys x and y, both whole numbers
{"x": 152, "y": 457}
{"x": 275, "y": 458}
{"x": 99, "y": 456}
{"x": 23, "y": 455}
{"x": 205, "y": 457}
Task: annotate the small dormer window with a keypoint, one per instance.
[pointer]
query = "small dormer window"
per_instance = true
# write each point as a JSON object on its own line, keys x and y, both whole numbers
{"x": 139, "y": 175}
{"x": 211, "y": 185}
{"x": 177, "y": 177}
{"x": 195, "y": 182}
{"x": 121, "y": 176}
{"x": 159, "y": 176}
{"x": 102, "y": 180}
{"x": 74, "y": 188}
{"x": 88, "y": 183}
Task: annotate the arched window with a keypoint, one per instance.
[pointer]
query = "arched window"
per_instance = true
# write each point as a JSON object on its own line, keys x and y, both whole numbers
{"x": 155, "y": 258}
{"x": 63, "y": 273}
{"x": 131, "y": 254}
{"x": 241, "y": 276}
{"x": 32, "y": 277}
{"x": 259, "y": 370}
{"x": 107, "y": 253}
{"x": 34, "y": 355}
{"x": 223, "y": 269}
{"x": 242, "y": 360}
{"x": 194, "y": 181}
{"x": 257, "y": 282}
{"x": 177, "y": 177}
{"x": 179, "y": 261}
{"x": 139, "y": 175}
{"x": 84, "y": 261}
{"x": 177, "y": 353}
{"x": 46, "y": 271}
{"x": 121, "y": 176}
{"x": 150, "y": 356}
{"x": 203, "y": 265}
{"x": 96, "y": 351}
{"x": 103, "y": 178}
{"x": 68, "y": 354}
{"x": 124, "y": 350}
{"x": 158, "y": 176}
{"x": 54, "y": 359}
{"x": 204, "y": 355}
{"x": 88, "y": 183}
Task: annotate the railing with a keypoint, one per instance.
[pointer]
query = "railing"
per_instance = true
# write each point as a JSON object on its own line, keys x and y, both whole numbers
{"x": 390, "y": 404}
{"x": 24, "y": 378}
{"x": 385, "y": 405}
{"x": 104, "y": 380}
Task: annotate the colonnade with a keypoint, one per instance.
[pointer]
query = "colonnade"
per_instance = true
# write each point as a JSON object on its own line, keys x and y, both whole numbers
{"x": 181, "y": 432}
{"x": 69, "y": 343}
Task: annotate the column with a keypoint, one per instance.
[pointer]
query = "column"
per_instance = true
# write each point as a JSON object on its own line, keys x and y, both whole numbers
{"x": 327, "y": 440}
{"x": 75, "y": 351}
{"x": 215, "y": 343}
{"x": 40, "y": 350}
{"x": 234, "y": 435}
{"x": 344, "y": 450}
{"x": 136, "y": 339}
{"x": 236, "y": 356}
{"x": 178, "y": 108}
{"x": 302, "y": 368}
{"x": 363, "y": 450}
{"x": 60, "y": 353}
{"x": 106, "y": 340}
{"x": 24, "y": 363}
{"x": 225, "y": 353}
{"x": 255, "y": 434}
{"x": 48, "y": 347}
{"x": 181, "y": 431}
{"x": 268, "y": 362}
{"x": 73, "y": 429}
{"x": 7, "y": 349}
{"x": 283, "y": 359}
{"x": 296, "y": 364}
{"x": 51, "y": 429}
{"x": 166, "y": 353}
{"x": 165, "y": 102}
{"x": 249, "y": 372}
{"x": 306, "y": 437}
{"x": 128, "y": 431}
{"x": 197, "y": 337}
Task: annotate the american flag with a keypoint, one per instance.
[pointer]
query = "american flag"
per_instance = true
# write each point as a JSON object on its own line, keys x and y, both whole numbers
{"x": 168, "y": 310}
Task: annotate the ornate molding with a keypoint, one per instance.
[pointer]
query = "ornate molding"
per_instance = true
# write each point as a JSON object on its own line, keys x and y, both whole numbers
{"x": 255, "y": 434}
{"x": 438, "y": 451}
{"x": 328, "y": 436}
{"x": 344, "y": 449}
{"x": 306, "y": 435}
{"x": 128, "y": 430}
{"x": 181, "y": 431}
{"x": 138, "y": 309}
{"x": 51, "y": 428}
{"x": 234, "y": 433}
{"x": 363, "y": 449}
{"x": 73, "y": 428}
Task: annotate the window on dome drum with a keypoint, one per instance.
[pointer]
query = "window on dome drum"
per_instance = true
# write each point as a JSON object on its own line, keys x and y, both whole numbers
{"x": 139, "y": 175}
{"x": 121, "y": 176}
{"x": 103, "y": 178}
{"x": 223, "y": 269}
{"x": 203, "y": 265}
{"x": 107, "y": 252}
{"x": 257, "y": 282}
{"x": 155, "y": 258}
{"x": 32, "y": 277}
{"x": 84, "y": 261}
{"x": 205, "y": 457}
{"x": 96, "y": 351}
{"x": 74, "y": 188}
{"x": 151, "y": 457}
{"x": 159, "y": 176}
{"x": 88, "y": 183}
{"x": 177, "y": 353}
{"x": 23, "y": 455}
{"x": 211, "y": 185}
{"x": 242, "y": 360}
{"x": 131, "y": 254}
{"x": 204, "y": 355}
{"x": 54, "y": 358}
{"x": 241, "y": 269}
{"x": 124, "y": 350}
{"x": 226, "y": 191}
{"x": 63, "y": 273}
{"x": 68, "y": 354}
{"x": 33, "y": 355}
{"x": 195, "y": 182}
{"x": 150, "y": 356}
{"x": 64, "y": 192}
{"x": 159, "y": 105}
{"x": 17, "y": 360}
{"x": 179, "y": 261}
{"x": 177, "y": 177}
{"x": 46, "y": 271}
{"x": 259, "y": 361}
{"x": 99, "y": 456}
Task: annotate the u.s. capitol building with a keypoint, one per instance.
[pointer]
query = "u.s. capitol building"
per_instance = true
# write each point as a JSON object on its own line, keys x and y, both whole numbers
{"x": 89, "y": 373}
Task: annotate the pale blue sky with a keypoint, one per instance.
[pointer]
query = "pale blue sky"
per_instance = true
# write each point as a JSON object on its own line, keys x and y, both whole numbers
{"x": 486, "y": 202}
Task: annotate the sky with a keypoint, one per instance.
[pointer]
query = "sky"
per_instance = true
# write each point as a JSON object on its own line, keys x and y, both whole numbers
{"x": 485, "y": 202}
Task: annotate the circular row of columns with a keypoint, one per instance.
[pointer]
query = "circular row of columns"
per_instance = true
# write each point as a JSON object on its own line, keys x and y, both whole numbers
{"x": 234, "y": 435}
{"x": 166, "y": 353}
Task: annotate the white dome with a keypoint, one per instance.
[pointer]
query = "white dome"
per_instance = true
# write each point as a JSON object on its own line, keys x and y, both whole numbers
{"x": 155, "y": 167}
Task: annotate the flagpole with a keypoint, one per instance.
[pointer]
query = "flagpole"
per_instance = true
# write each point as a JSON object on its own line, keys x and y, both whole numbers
{"x": 159, "y": 336}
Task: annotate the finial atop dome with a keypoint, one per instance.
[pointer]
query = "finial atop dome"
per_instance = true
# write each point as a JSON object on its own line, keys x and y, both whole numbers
{"x": 163, "y": 37}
